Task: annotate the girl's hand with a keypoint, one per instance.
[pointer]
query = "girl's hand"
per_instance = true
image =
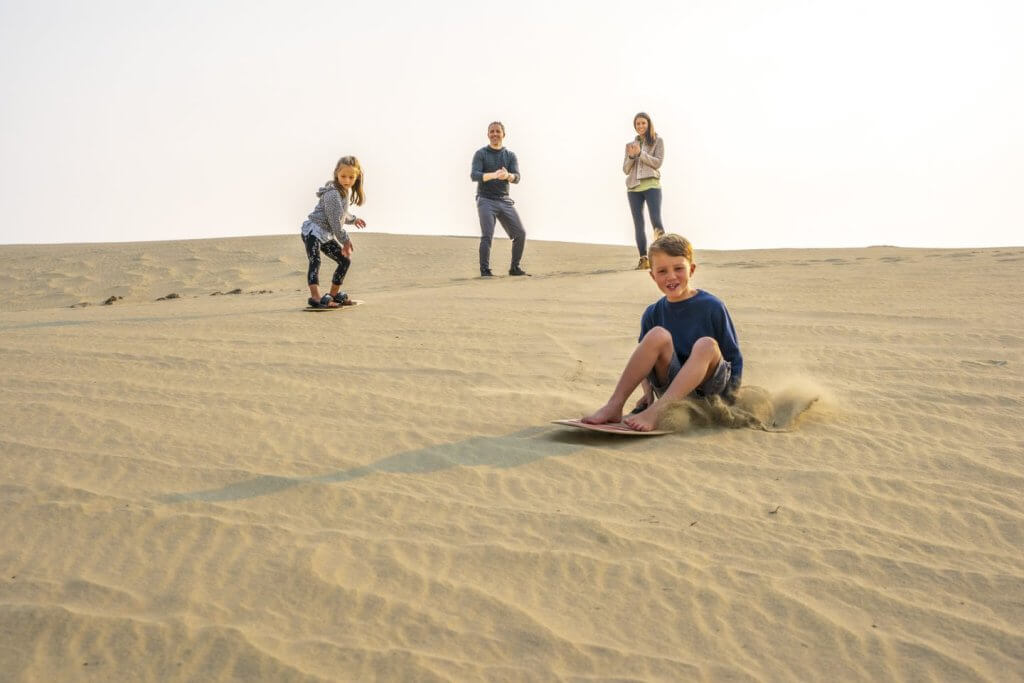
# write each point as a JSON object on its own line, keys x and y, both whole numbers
{"x": 359, "y": 223}
{"x": 347, "y": 249}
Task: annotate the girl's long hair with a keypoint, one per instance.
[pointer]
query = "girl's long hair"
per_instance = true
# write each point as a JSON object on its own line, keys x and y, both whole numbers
{"x": 358, "y": 195}
{"x": 650, "y": 136}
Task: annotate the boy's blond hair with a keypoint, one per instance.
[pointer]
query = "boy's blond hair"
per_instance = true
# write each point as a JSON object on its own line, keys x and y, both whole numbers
{"x": 671, "y": 245}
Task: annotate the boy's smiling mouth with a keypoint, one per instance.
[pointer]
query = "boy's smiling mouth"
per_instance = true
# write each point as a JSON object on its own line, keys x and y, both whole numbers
{"x": 676, "y": 290}
{"x": 672, "y": 286}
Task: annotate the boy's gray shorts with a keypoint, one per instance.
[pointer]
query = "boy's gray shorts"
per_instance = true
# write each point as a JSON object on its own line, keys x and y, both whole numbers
{"x": 713, "y": 385}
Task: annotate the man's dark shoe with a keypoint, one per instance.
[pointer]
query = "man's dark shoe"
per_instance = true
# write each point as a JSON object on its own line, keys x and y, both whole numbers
{"x": 517, "y": 271}
{"x": 486, "y": 272}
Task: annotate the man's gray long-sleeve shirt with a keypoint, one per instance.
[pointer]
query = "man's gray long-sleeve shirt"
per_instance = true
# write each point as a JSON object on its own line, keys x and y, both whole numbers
{"x": 488, "y": 160}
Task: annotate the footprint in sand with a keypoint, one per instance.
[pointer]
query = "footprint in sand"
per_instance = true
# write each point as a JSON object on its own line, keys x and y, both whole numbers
{"x": 237, "y": 290}
{"x": 576, "y": 373}
{"x": 985, "y": 363}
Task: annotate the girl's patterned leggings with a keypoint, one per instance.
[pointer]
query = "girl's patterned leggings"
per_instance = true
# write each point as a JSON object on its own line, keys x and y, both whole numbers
{"x": 333, "y": 250}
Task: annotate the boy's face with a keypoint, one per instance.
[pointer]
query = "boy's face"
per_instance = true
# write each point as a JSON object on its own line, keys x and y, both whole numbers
{"x": 672, "y": 275}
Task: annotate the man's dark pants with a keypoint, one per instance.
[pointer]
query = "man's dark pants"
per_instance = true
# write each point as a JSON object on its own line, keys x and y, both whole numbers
{"x": 503, "y": 211}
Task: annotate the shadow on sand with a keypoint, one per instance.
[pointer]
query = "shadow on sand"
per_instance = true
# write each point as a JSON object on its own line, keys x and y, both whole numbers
{"x": 510, "y": 450}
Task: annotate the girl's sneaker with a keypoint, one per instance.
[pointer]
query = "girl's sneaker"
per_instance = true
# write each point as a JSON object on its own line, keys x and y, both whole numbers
{"x": 324, "y": 302}
{"x": 644, "y": 264}
{"x": 340, "y": 298}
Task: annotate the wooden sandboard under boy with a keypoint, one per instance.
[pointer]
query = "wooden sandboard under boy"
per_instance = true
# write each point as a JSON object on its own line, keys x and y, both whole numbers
{"x": 348, "y": 304}
{"x": 617, "y": 428}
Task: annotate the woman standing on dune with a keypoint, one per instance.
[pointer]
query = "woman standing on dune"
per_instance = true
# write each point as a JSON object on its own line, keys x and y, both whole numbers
{"x": 642, "y": 160}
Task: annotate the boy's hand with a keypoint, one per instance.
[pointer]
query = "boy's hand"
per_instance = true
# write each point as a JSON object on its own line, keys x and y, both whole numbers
{"x": 641, "y": 405}
{"x": 646, "y": 400}
{"x": 359, "y": 223}
{"x": 347, "y": 249}
{"x": 502, "y": 173}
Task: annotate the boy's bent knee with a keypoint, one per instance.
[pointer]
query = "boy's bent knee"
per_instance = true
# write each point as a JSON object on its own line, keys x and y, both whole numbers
{"x": 657, "y": 335}
{"x": 706, "y": 345}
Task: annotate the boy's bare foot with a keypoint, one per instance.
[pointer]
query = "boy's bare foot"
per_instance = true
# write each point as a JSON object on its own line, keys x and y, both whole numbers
{"x": 644, "y": 421}
{"x": 606, "y": 413}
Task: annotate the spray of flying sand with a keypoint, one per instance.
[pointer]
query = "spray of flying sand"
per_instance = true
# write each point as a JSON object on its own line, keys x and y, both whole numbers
{"x": 755, "y": 408}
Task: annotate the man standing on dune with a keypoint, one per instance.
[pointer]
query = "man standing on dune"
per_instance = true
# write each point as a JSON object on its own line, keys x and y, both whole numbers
{"x": 494, "y": 167}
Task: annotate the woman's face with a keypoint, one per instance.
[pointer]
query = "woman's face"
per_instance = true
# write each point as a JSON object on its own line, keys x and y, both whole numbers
{"x": 640, "y": 123}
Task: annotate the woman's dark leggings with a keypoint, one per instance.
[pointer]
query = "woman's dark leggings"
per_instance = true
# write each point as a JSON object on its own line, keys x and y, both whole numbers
{"x": 333, "y": 250}
{"x": 636, "y": 205}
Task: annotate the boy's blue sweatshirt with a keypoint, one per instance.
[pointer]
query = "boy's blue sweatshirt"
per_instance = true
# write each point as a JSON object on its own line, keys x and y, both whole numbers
{"x": 702, "y": 315}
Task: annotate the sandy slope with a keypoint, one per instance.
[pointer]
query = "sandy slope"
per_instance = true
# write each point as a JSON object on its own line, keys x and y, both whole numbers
{"x": 227, "y": 487}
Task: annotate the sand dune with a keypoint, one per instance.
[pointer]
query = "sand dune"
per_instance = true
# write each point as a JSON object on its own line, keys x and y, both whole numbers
{"x": 228, "y": 488}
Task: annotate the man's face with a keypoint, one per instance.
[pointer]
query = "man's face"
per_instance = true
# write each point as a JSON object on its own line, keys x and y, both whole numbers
{"x": 495, "y": 135}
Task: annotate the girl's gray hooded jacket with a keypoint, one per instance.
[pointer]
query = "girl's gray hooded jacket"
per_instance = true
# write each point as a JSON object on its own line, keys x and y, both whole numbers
{"x": 330, "y": 216}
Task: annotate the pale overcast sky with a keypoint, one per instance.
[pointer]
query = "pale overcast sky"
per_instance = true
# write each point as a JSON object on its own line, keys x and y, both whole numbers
{"x": 786, "y": 123}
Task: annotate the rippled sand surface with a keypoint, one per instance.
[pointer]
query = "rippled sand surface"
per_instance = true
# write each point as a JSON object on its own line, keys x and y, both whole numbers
{"x": 226, "y": 487}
